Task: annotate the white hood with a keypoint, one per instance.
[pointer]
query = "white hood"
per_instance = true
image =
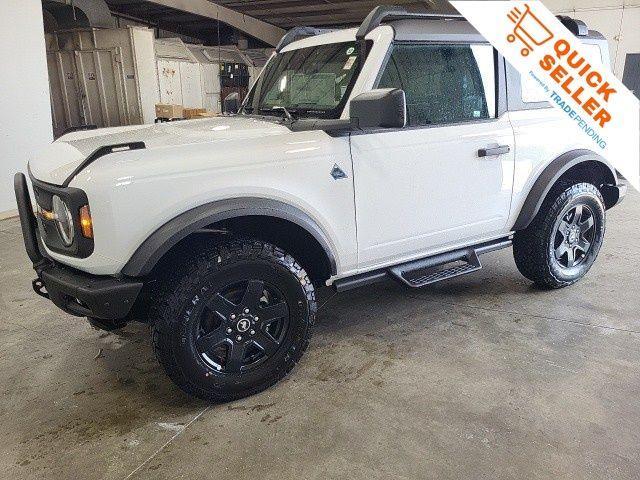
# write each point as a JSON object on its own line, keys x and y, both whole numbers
{"x": 55, "y": 163}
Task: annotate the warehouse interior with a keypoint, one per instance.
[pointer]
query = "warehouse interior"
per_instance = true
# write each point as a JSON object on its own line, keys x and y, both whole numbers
{"x": 176, "y": 44}
{"x": 480, "y": 377}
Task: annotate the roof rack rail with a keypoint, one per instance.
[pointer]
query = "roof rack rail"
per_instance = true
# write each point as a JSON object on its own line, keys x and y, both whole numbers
{"x": 577, "y": 27}
{"x": 298, "y": 33}
{"x": 390, "y": 13}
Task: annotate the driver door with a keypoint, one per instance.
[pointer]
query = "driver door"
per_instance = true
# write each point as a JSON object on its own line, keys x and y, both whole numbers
{"x": 428, "y": 187}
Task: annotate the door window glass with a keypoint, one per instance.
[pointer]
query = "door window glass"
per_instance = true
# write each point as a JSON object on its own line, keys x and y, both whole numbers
{"x": 443, "y": 83}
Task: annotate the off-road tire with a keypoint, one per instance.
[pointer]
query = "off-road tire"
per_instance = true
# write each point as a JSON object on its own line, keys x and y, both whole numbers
{"x": 174, "y": 341}
{"x": 533, "y": 248}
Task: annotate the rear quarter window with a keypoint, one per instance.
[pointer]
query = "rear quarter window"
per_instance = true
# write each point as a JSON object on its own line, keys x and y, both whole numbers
{"x": 531, "y": 91}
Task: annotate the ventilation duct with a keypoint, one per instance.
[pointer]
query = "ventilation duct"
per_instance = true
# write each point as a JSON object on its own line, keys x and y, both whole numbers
{"x": 70, "y": 14}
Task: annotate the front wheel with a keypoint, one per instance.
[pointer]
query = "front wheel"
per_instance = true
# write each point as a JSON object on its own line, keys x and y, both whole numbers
{"x": 237, "y": 321}
{"x": 561, "y": 244}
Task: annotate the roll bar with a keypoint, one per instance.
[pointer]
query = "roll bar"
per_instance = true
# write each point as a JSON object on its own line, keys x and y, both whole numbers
{"x": 298, "y": 33}
{"x": 389, "y": 13}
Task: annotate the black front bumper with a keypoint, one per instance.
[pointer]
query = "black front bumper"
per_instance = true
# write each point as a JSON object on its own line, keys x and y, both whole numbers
{"x": 84, "y": 295}
{"x": 77, "y": 293}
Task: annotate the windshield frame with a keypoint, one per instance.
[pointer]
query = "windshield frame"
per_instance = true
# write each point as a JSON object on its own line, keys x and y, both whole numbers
{"x": 253, "y": 97}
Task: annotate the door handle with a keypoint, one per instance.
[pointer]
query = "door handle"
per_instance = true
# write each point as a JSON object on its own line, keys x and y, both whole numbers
{"x": 493, "y": 151}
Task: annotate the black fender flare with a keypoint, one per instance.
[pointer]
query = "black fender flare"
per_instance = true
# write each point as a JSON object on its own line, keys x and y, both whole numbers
{"x": 550, "y": 175}
{"x": 162, "y": 240}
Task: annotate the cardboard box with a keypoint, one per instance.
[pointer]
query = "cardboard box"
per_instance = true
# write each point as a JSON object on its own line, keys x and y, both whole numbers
{"x": 164, "y": 110}
{"x": 208, "y": 114}
{"x": 191, "y": 113}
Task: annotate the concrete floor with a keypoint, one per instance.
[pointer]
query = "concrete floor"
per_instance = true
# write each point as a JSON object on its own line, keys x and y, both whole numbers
{"x": 480, "y": 377}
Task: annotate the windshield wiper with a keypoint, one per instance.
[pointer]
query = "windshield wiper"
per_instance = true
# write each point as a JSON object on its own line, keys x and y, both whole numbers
{"x": 287, "y": 113}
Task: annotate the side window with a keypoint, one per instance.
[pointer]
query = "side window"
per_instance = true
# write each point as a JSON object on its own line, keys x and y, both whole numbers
{"x": 443, "y": 83}
{"x": 531, "y": 91}
{"x": 594, "y": 50}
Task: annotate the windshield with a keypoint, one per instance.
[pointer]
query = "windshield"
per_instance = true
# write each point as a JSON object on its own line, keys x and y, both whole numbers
{"x": 308, "y": 82}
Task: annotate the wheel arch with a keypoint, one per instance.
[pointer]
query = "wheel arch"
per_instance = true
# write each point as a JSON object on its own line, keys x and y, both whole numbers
{"x": 159, "y": 243}
{"x": 583, "y": 164}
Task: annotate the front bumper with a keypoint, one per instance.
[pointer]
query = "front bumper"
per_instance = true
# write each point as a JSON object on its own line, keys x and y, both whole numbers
{"x": 77, "y": 293}
{"x": 84, "y": 295}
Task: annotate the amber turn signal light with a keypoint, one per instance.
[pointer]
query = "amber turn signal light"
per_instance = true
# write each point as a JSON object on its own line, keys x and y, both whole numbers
{"x": 86, "y": 224}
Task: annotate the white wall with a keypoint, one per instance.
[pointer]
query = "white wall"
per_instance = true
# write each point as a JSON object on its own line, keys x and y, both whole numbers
{"x": 25, "y": 112}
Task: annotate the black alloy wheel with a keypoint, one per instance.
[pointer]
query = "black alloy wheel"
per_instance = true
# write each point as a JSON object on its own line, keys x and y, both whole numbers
{"x": 242, "y": 325}
{"x": 235, "y": 319}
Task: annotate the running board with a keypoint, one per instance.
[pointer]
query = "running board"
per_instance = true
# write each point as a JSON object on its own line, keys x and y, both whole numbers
{"x": 429, "y": 270}
{"x": 436, "y": 269}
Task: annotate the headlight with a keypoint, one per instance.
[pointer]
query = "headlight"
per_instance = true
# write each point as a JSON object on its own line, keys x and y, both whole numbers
{"x": 63, "y": 220}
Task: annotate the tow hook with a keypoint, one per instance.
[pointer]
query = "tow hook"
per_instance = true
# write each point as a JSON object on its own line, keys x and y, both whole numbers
{"x": 40, "y": 288}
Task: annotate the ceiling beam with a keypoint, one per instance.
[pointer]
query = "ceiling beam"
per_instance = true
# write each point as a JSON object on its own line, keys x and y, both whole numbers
{"x": 264, "y": 31}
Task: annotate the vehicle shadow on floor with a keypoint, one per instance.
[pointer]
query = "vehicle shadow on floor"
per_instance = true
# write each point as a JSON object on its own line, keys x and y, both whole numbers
{"x": 125, "y": 370}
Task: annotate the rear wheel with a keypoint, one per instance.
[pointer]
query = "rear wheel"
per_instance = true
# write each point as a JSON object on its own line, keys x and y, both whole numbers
{"x": 237, "y": 321}
{"x": 561, "y": 244}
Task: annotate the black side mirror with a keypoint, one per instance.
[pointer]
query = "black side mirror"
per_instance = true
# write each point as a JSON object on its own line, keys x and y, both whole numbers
{"x": 232, "y": 103}
{"x": 382, "y": 108}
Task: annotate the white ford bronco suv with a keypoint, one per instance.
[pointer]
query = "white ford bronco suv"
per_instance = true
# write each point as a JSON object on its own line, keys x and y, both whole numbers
{"x": 404, "y": 149}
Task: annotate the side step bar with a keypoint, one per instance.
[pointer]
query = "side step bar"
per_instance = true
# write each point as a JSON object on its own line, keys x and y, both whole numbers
{"x": 429, "y": 270}
{"x": 435, "y": 269}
